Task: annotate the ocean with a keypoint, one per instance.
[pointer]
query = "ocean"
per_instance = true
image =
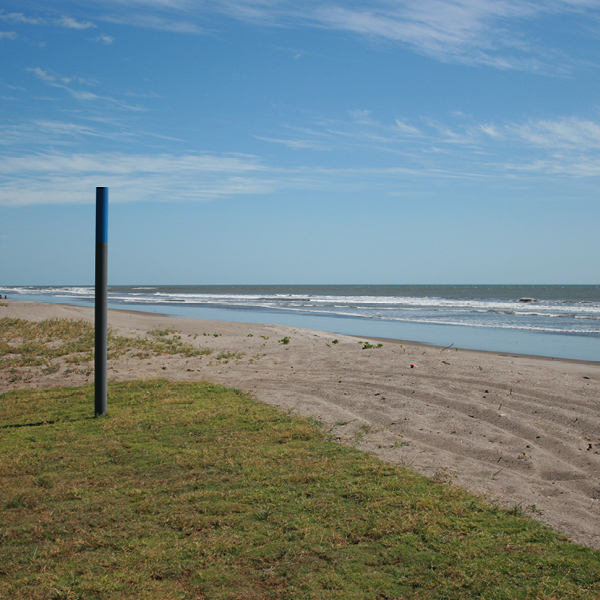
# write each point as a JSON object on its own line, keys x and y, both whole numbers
{"x": 561, "y": 321}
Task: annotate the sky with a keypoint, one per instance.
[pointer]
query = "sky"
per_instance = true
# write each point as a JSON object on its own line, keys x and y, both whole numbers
{"x": 301, "y": 141}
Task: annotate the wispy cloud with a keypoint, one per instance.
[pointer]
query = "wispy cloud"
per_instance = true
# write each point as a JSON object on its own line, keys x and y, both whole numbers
{"x": 574, "y": 167}
{"x": 49, "y": 133}
{"x": 561, "y": 146}
{"x": 55, "y": 178}
{"x": 11, "y": 86}
{"x": 568, "y": 133}
{"x": 65, "y": 128}
{"x": 297, "y": 144}
{"x": 360, "y": 130}
{"x": 490, "y": 129}
{"x": 409, "y": 130}
{"x": 65, "y": 21}
{"x": 65, "y": 83}
{"x": 50, "y": 78}
{"x": 8, "y": 35}
{"x": 18, "y": 18}
{"x": 71, "y": 178}
{"x": 121, "y": 164}
{"x": 68, "y": 179}
{"x": 43, "y": 133}
{"x": 71, "y": 23}
{"x": 105, "y": 39}
{"x": 477, "y": 32}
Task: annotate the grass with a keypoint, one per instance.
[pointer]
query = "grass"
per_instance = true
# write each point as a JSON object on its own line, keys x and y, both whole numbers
{"x": 190, "y": 490}
{"x": 32, "y": 344}
{"x": 226, "y": 355}
{"x": 368, "y": 345}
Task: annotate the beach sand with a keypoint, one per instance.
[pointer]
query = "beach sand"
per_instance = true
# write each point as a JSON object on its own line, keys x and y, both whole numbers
{"x": 520, "y": 430}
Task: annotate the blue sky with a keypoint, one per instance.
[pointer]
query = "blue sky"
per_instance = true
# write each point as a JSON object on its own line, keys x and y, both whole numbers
{"x": 306, "y": 141}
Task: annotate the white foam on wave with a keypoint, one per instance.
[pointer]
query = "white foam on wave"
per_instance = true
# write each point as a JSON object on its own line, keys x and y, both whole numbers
{"x": 541, "y": 315}
{"x": 62, "y": 292}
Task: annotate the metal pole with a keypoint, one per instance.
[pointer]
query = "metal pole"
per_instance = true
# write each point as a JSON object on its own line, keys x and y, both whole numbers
{"x": 101, "y": 291}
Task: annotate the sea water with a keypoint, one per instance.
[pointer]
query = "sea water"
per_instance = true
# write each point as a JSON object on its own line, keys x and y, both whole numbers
{"x": 561, "y": 321}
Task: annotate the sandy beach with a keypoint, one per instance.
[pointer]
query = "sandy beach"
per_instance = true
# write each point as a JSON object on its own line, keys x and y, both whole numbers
{"x": 520, "y": 430}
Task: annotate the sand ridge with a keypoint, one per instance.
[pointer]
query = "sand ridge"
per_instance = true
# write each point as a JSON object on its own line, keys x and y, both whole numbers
{"x": 522, "y": 430}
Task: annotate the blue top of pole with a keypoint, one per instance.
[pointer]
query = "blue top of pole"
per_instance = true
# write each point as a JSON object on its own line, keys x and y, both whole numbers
{"x": 101, "y": 215}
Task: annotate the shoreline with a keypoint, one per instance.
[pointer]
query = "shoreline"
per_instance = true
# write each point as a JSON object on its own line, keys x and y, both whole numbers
{"x": 365, "y": 336}
{"x": 521, "y": 430}
{"x": 502, "y": 353}
{"x": 394, "y": 340}
{"x": 383, "y": 339}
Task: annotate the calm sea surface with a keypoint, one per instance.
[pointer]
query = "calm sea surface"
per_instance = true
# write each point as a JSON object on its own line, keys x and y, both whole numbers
{"x": 553, "y": 320}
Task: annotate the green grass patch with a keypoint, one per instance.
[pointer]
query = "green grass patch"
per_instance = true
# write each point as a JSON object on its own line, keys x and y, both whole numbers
{"x": 190, "y": 490}
{"x": 226, "y": 355}
{"x": 368, "y": 345}
{"x": 30, "y": 344}
{"x": 163, "y": 332}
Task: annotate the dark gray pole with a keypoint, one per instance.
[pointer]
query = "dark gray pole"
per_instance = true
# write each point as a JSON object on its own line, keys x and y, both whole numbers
{"x": 100, "y": 313}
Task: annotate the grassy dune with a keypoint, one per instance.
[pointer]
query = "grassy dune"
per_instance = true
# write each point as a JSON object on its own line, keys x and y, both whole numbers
{"x": 28, "y": 348}
{"x": 197, "y": 491}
